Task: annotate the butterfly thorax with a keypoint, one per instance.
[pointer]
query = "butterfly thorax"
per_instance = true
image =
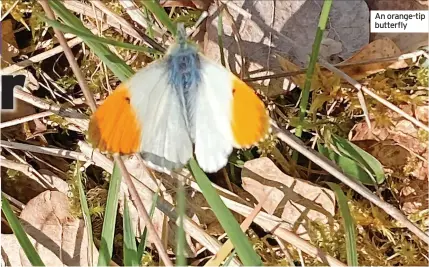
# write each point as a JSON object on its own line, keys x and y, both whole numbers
{"x": 184, "y": 75}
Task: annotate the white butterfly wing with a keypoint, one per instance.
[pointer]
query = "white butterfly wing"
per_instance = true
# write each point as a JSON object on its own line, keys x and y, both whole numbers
{"x": 165, "y": 144}
{"x": 213, "y": 134}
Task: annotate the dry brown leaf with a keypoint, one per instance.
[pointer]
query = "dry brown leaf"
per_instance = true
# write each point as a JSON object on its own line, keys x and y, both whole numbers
{"x": 377, "y": 49}
{"x": 59, "y": 238}
{"x": 10, "y": 250}
{"x": 294, "y": 200}
{"x": 9, "y": 48}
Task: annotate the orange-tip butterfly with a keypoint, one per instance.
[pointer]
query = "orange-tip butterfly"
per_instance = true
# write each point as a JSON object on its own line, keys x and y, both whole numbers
{"x": 175, "y": 102}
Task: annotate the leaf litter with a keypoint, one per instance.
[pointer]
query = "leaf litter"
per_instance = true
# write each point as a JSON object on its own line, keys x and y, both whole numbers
{"x": 267, "y": 38}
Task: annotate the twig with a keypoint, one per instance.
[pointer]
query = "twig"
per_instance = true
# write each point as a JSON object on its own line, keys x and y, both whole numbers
{"x": 142, "y": 211}
{"x": 25, "y": 119}
{"x": 330, "y": 167}
{"x": 27, "y": 170}
{"x": 37, "y": 58}
{"x": 413, "y": 56}
{"x": 14, "y": 201}
{"x": 43, "y": 104}
{"x": 373, "y": 95}
{"x": 45, "y": 150}
{"x": 70, "y": 57}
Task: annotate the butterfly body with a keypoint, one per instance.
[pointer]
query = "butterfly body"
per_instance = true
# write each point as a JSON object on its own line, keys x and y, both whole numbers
{"x": 173, "y": 103}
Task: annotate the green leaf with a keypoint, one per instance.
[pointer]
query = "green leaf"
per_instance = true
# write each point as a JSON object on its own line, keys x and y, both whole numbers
{"x": 181, "y": 209}
{"x": 130, "y": 247}
{"x": 144, "y": 236}
{"x": 241, "y": 243}
{"x": 92, "y": 37}
{"x": 159, "y": 12}
{"x": 112, "y": 61}
{"x": 108, "y": 232}
{"x": 20, "y": 234}
{"x": 86, "y": 215}
{"x": 361, "y": 158}
{"x": 349, "y": 225}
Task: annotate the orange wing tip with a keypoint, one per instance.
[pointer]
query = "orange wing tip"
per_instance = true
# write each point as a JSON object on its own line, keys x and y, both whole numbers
{"x": 250, "y": 118}
{"x": 114, "y": 127}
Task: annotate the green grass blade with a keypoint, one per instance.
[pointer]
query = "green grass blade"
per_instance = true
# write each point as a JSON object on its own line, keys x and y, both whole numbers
{"x": 156, "y": 9}
{"x": 112, "y": 61}
{"x": 108, "y": 231}
{"x": 20, "y": 234}
{"x": 349, "y": 225}
{"x": 144, "y": 236}
{"x": 130, "y": 247}
{"x": 311, "y": 66}
{"x": 181, "y": 209}
{"x": 86, "y": 215}
{"x": 94, "y": 38}
{"x": 241, "y": 243}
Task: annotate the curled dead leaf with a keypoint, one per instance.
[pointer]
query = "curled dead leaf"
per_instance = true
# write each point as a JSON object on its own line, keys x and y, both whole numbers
{"x": 294, "y": 200}
{"x": 378, "y": 49}
{"x": 59, "y": 238}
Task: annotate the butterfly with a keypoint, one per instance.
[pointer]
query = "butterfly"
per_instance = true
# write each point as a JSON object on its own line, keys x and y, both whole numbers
{"x": 176, "y": 105}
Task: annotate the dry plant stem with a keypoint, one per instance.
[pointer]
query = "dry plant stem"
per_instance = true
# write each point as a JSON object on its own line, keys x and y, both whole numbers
{"x": 70, "y": 57}
{"x": 25, "y": 169}
{"x": 373, "y": 95}
{"x": 330, "y": 167}
{"x": 45, "y": 150}
{"x": 43, "y": 104}
{"x": 28, "y": 62}
{"x": 25, "y": 119}
{"x": 142, "y": 211}
{"x": 413, "y": 56}
{"x": 14, "y": 201}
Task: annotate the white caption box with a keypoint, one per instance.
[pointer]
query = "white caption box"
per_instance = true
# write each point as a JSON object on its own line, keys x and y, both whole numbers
{"x": 400, "y": 21}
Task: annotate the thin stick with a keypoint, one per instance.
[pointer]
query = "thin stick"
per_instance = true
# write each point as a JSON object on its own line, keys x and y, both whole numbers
{"x": 413, "y": 55}
{"x": 373, "y": 95}
{"x": 37, "y": 58}
{"x": 14, "y": 201}
{"x": 70, "y": 57}
{"x": 330, "y": 167}
{"x": 43, "y": 104}
{"x": 25, "y": 119}
{"x": 45, "y": 150}
{"x": 142, "y": 211}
